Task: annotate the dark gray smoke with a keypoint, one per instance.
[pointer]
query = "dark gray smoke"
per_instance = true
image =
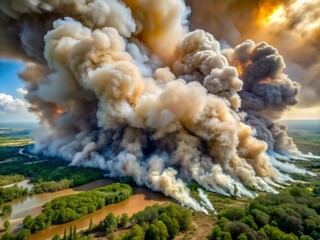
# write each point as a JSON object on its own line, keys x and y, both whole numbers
{"x": 125, "y": 87}
{"x": 291, "y": 26}
{"x": 267, "y": 91}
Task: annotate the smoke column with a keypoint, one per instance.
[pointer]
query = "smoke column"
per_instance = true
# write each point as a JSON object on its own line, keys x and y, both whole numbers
{"x": 125, "y": 86}
{"x": 291, "y": 26}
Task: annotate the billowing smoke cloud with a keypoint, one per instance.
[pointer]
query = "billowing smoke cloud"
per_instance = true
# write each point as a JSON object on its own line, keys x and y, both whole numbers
{"x": 291, "y": 26}
{"x": 267, "y": 91}
{"x": 123, "y": 86}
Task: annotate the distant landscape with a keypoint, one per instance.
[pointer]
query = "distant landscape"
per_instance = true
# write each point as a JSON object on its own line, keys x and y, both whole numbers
{"x": 306, "y": 134}
{"x": 26, "y": 179}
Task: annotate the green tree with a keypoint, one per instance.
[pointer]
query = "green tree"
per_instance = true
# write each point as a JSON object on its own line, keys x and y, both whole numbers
{"x": 136, "y": 233}
{"x": 232, "y": 213}
{"x": 56, "y": 237}
{"x": 5, "y": 210}
{"x": 28, "y": 222}
{"x": 163, "y": 231}
{"x": 242, "y": 236}
{"x": 6, "y": 225}
{"x": 7, "y": 236}
{"x": 123, "y": 220}
{"x": 74, "y": 232}
{"x": 249, "y": 221}
{"x": 260, "y": 217}
{"x": 171, "y": 224}
{"x": 152, "y": 233}
{"x": 157, "y": 231}
{"x": 305, "y": 237}
{"x": 65, "y": 234}
{"x": 90, "y": 224}
{"x": 23, "y": 235}
{"x": 109, "y": 223}
{"x": 70, "y": 234}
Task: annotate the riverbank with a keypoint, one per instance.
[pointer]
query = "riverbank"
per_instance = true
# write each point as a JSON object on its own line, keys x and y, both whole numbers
{"x": 141, "y": 198}
{"x": 32, "y": 205}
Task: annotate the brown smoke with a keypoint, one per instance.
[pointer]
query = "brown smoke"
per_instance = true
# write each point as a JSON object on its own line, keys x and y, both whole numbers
{"x": 291, "y": 26}
{"x": 123, "y": 86}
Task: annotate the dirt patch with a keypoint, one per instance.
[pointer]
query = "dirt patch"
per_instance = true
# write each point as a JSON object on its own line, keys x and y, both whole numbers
{"x": 201, "y": 228}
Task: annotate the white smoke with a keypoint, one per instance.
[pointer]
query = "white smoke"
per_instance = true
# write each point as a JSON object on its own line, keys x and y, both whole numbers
{"x": 123, "y": 86}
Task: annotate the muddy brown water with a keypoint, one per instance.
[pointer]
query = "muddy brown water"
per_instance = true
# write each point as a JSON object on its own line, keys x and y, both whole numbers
{"x": 32, "y": 205}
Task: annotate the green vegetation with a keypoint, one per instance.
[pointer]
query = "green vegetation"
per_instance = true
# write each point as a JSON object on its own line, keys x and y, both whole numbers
{"x": 8, "y": 194}
{"x": 14, "y": 141}
{"x": 218, "y": 201}
{"x": 51, "y": 186}
{"x": 22, "y": 235}
{"x": 15, "y": 136}
{"x": 68, "y": 208}
{"x": 51, "y": 175}
{"x": 6, "y": 210}
{"x": 72, "y": 235}
{"x": 6, "y": 224}
{"x": 307, "y": 141}
{"x": 52, "y": 170}
{"x": 47, "y": 174}
{"x": 9, "y": 153}
{"x": 9, "y": 179}
{"x": 288, "y": 215}
{"x": 157, "y": 222}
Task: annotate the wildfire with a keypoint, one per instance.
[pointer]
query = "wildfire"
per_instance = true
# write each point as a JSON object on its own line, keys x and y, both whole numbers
{"x": 240, "y": 67}
{"x": 59, "y": 111}
{"x": 266, "y": 80}
{"x": 271, "y": 14}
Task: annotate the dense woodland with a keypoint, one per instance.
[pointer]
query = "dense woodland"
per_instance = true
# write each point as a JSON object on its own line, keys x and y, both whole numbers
{"x": 68, "y": 208}
{"x": 10, "y": 179}
{"x": 47, "y": 176}
{"x": 51, "y": 186}
{"x": 8, "y": 194}
{"x": 51, "y": 170}
{"x": 157, "y": 222}
{"x": 288, "y": 215}
{"x": 9, "y": 152}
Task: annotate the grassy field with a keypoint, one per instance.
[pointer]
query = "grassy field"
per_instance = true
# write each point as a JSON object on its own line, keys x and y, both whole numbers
{"x": 15, "y": 137}
{"x": 306, "y": 135}
{"x": 306, "y": 141}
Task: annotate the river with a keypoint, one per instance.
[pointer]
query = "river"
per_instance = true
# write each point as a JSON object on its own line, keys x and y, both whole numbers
{"x": 25, "y": 184}
{"x": 32, "y": 205}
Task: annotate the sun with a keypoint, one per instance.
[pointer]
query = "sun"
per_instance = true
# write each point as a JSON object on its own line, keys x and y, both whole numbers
{"x": 278, "y": 15}
{"x": 268, "y": 15}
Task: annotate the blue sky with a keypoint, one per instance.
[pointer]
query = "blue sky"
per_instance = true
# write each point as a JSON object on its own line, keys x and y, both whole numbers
{"x": 9, "y": 80}
{"x": 13, "y": 107}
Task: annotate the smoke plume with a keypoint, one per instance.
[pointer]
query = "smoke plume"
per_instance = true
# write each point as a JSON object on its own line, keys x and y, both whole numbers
{"x": 291, "y": 26}
{"x": 125, "y": 87}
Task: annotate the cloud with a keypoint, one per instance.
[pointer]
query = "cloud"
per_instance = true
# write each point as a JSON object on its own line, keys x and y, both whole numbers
{"x": 14, "y": 109}
{"x": 21, "y": 91}
{"x": 10, "y": 104}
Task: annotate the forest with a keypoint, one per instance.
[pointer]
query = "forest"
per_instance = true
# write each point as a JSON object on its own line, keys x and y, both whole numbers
{"x": 8, "y": 194}
{"x": 9, "y": 179}
{"x": 157, "y": 222}
{"x": 68, "y": 208}
{"x": 290, "y": 215}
